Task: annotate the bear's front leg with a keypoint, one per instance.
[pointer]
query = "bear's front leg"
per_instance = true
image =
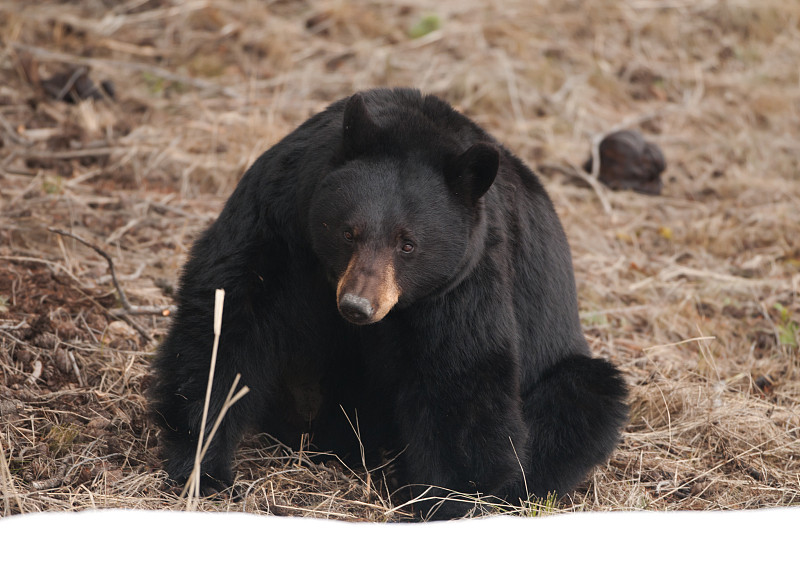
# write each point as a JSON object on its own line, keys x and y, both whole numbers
{"x": 178, "y": 397}
{"x": 178, "y": 392}
{"x": 464, "y": 436}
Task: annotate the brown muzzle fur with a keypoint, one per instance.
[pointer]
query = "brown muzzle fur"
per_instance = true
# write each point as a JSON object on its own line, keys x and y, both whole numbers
{"x": 367, "y": 290}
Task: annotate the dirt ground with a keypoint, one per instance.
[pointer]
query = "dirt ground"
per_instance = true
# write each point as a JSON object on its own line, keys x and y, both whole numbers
{"x": 127, "y": 124}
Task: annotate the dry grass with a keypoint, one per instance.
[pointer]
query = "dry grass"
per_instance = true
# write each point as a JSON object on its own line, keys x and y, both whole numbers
{"x": 694, "y": 293}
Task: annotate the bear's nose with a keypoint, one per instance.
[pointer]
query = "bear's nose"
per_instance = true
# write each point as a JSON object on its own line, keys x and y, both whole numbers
{"x": 355, "y": 309}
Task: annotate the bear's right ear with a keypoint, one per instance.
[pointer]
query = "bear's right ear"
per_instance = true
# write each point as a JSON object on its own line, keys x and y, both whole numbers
{"x": 359, "y": 130}
{"x": 472, "y": 173}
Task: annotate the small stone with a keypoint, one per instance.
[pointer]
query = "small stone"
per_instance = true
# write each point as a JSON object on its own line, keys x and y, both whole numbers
{"x": 629, "y": 162}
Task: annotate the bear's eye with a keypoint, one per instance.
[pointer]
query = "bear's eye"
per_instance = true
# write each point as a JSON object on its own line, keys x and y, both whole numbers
{"x": 407, "y": 247}
{"x": 348, "y": 235}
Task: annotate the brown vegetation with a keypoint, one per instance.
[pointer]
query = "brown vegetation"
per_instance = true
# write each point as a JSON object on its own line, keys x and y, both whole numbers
{"x": 694, "y": 293}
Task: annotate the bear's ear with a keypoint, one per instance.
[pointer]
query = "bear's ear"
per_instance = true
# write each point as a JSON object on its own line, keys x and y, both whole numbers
{"x": 471, "y": 174}
{"x": 359, "y": 131}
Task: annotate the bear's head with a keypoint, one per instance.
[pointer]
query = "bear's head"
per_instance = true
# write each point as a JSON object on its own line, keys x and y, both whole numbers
{"x": 397, "y": 218}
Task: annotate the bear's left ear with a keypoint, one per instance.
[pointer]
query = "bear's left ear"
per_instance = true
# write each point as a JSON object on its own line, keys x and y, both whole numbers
{"x": 471, "y": 174}
{"x": 359, "y": 130}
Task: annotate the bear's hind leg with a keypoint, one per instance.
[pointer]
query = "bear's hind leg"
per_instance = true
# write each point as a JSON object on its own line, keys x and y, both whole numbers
{"x": 575, "y": 413}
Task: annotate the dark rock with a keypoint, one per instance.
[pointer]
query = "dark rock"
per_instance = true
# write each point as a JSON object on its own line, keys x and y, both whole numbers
{"x": 629, "y": 162}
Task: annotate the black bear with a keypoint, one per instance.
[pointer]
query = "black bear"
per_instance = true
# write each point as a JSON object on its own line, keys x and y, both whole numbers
{"x": 390, "y": 266}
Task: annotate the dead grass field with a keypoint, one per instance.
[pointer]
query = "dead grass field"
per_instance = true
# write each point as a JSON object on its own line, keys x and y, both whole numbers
{"x": 695, "y": 293}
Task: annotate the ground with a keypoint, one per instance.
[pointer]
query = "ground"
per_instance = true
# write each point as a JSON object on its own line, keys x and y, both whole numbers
{"x": 694, "y": 293}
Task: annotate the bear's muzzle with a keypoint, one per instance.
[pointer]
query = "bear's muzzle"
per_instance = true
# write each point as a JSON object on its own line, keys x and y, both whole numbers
{"x": 368, "y": 289}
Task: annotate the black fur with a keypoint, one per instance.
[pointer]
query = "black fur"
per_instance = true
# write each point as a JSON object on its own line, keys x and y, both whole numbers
{"x": 479, "y": 367}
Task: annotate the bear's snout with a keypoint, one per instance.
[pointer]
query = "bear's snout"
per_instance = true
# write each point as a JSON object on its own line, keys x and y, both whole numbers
{"x": 368, "y": 289}
{"x": 355, "y": 309}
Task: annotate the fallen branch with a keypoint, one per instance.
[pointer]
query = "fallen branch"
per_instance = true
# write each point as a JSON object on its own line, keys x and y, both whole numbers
{"x": 122, "y": 296}
{"x": 128, "y": 309}
{"x": 578, "y": 174}
{"x": 139, "y": 310}
{"x": 69, "y": 154}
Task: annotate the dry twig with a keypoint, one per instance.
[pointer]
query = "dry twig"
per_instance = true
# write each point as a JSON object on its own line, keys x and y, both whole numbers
{"x": 128, "y": 308}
